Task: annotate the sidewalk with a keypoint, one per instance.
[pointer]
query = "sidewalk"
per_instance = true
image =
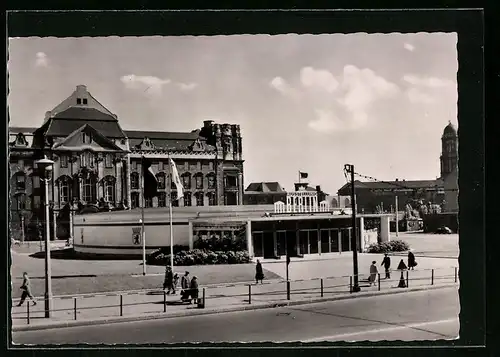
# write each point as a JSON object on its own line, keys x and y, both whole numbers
{"x": 94, "y": 309}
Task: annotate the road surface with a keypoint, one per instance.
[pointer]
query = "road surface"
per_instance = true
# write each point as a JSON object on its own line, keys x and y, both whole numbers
{"x": 424, "y": 315}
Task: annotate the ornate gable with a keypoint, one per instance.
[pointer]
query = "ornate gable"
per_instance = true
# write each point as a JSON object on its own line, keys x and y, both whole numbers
{"x": 146, "y": 144}
{"x": 86, "y": 138}
{"x": 198, "y": 145}
{"x": 20, "y": 141}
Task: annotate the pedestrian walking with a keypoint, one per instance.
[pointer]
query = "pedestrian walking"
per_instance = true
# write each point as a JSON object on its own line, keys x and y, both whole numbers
{"x": 168, "y": 283}
{"x": 176, "y": 280}
{"x": 259, "y": 272}
{"x": 185, "y": 285}
{"x": 194, "y": 289}
{"x": 412, "y": 263}
{"x": 386, "y": 262}
{"x": 402, "y": 267}
{"x": 373, "y": 273}
{"x": 26, "y": 288}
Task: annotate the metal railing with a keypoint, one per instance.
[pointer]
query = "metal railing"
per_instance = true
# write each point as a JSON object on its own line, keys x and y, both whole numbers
{"x": 250, "y": 292}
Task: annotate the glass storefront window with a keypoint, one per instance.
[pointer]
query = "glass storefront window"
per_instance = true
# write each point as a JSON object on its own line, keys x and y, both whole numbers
{"x": 325, "y": 240}
{"x": 346, "y": 239}
{"x": 313, "y": 242}
{"x": 334, "y": 240}
{"x": 258, "y": 250}
{"x": 303, "y": 242}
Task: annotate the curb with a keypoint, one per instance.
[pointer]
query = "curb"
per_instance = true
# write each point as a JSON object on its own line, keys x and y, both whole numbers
{"x": 66, "y": 324}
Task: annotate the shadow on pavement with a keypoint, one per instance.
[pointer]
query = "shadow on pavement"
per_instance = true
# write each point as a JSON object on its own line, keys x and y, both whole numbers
{"x": 70, "y": 254}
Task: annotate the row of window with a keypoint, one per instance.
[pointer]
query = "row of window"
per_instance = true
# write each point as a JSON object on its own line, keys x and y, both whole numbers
{"x": 187, "y": 199}
{"x": 185, "y": 178}
{"x": 87, "y": 159}
{"x": 181, "y": 165}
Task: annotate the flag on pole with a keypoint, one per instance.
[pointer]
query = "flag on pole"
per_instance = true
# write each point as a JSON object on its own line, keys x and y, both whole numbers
{"x": 176, "y": 180}
{"x": 150, "y": 180}
{"x": 303, "y": 175}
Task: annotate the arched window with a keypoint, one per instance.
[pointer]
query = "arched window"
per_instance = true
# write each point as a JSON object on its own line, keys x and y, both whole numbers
{"x": 108, "y": 184}
{"x": 134, "y": 181}
{"x": 211, "y": 199}
{"x": 199, "y": 181}
{"x": 89, "y": 190}
{"x": 175, "y": 201}
{"x": 161, "y": 180}
{"x": 334, "y": 203}
{"x": 186, "y": 181}
{"x": 20, "y": 201}
{"x": 347, "y": 202}
{"x": 211, "y": 181}
{"x": 199, "y": 199}
{"x": 187, "y": 199}
{"x": 64, "y": 189}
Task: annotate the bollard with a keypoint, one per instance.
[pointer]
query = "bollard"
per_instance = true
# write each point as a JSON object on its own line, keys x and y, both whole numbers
{"x": 321, "y": 287}
{"x": 203, "y": 297}
{"x": 288, "y": 290}
{"x": 432, "y": 277}
{"x": 28, "y": 312}
{"x": 456, "y": 271}
{"x": 350, "y": 284}
{"x": 121, "y": 305}
{"x": 249, "y": 293}
{"x": 164, "y": 301}
{"x": 74, "y": 307}
{"x": 378, "y": 281}
{"x": 407, "y": 279}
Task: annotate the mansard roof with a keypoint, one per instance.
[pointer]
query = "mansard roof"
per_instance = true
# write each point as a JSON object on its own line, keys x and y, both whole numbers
{"x": 64, "y": 127}
{"x": 178, "y": 141}
{"x": 84, "y": 113}
{"x": 264, "y": 187}
{"x": 394, "y": 185}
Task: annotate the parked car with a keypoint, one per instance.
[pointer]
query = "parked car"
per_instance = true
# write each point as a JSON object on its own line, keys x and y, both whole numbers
{"x": 443, "y": 230}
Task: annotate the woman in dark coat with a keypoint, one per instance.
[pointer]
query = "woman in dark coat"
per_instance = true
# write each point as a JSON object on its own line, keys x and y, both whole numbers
{"x": 194, "y": 289}
{"x": 411, "y": 261}
{"x": 259, "y": 273}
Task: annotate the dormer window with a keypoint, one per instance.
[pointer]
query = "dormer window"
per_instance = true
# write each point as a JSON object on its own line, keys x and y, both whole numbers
{"x": 86, "y": 138}
{"x": 84, "y": 101}
{"x": 78, "y": 100}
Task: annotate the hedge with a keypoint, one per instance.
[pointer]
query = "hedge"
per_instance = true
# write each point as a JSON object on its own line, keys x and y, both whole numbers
{"x": 387, "y": 247}
{"x": 202, "y": 257}
{"x": 224, "y": 243}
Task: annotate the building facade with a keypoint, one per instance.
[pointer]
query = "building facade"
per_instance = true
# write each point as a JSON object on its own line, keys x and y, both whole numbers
{"x": 97, "y": 164}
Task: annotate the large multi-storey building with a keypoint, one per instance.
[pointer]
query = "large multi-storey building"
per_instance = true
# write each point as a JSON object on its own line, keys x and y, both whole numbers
{"x": 98, "y": 165}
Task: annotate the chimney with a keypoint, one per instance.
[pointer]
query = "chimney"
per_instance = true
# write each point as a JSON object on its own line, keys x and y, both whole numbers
{"x": 318, "y": 189}
{"x": 207, "y": 123}
{"x": 397, "y": 179}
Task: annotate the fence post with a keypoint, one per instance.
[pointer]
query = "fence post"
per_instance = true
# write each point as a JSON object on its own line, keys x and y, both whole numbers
{"x": 288, "y": 290}
{"x": 203, "y": 297}
{"x": 74, "y": 307}
{"x": 321, "y": 287}
{"x": 456, "y": 274}
{"x": 28, "y": 312}
{"x": 407, "y": 278}
{"x": 249, "y": 293}
{"x": 164, "y": 301}
{"x": 121, "y": 305}
{"x": 432, "y": 277}
{"x": 378, "y": 281}
{"x": 350, "y": 284}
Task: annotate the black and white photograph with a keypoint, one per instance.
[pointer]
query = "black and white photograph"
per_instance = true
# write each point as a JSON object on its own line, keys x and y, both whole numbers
{"x": 233, "y": 188}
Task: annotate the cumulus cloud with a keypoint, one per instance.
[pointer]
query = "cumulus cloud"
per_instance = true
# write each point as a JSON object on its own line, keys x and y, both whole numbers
{"x": 409, "y": 47}
{"x": 187, "y": 86}
{"x": 432, "y": 82}
{"x": 325, "y": 121}
{"x": 281, "y": 86}
{"x": 148, "y": 84}
{"x": 41, "y": 59}
{"x": 319, "y": 78}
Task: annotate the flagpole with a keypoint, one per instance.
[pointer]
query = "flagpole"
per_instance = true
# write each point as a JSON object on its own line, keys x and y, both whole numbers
{"x": 143, "y": 232}
{"x": 171, "y": 220}
{"x": 299, "y": 177}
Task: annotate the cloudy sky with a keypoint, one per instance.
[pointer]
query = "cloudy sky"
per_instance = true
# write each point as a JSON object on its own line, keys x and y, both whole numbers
{"x": 304, "y": 102}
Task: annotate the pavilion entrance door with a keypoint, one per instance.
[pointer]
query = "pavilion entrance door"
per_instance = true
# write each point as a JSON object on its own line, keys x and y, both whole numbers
{"x": 269, "y": 245}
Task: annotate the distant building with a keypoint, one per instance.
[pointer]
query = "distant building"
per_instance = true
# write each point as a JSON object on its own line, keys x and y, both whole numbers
{"x": 263, "y": 193}
{"x": 374, "y": 196}
{"x": 98, "y": 164}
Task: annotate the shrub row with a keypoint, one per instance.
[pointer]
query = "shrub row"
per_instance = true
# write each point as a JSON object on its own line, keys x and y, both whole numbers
{"x": 225, "y": 243}
{"x": 391, "y": 246}
{"x": 201, "y": 257}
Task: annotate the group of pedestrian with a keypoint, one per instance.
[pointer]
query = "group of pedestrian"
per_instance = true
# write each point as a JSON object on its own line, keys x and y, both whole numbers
{"x": 386, "y": 263}
{"x": 189, "y": 288}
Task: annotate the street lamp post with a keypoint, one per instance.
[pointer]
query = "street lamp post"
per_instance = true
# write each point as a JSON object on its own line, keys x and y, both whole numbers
{"x": 45, "y": 167}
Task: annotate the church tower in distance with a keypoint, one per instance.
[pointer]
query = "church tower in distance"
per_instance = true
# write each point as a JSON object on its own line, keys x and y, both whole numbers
{"x": 449, "y": 153}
